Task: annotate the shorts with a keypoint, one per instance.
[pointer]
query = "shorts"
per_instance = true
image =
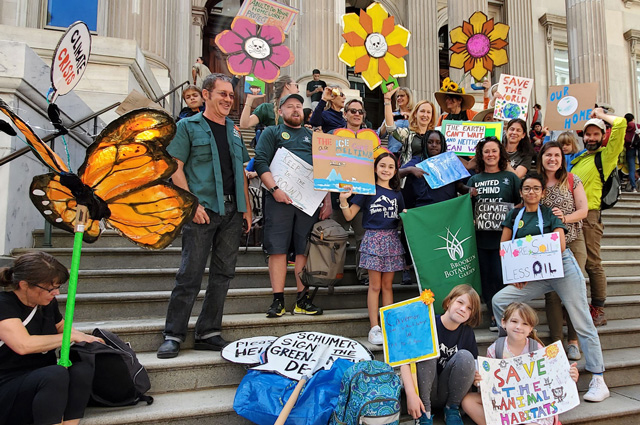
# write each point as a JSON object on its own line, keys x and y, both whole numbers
{"x": 386, "y": 242}
{"x": 283, "y": 224}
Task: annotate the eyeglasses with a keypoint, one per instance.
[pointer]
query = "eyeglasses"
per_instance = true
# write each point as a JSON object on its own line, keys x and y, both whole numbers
{"x": 534, "y": 189}
{"x": 225, "y": 95}
{"x": 49, "y": 290}
{"x": 356, "y": 111}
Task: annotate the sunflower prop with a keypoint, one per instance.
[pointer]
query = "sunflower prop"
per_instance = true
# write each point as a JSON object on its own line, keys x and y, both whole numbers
{"x": 121, "y": 183}
{"x": 254, "y": 49}
{"x": 374, "y": 45}
{"x": 478, "y": 45}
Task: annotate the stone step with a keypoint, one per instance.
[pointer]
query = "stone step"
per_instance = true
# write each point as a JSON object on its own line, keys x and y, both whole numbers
{"x": 617, "y": 268}
{"x": 624, "y": 207}
{"x": 613, "y": 215}
{"x": 627, "y": 252}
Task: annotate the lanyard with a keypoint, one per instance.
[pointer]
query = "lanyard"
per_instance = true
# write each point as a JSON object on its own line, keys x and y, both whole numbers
{"x": 519, "y": 217}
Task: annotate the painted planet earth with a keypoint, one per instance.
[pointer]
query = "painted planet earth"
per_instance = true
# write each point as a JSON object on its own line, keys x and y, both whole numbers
{"x": 511, "y": 111}
{"x": 567, "y": 105}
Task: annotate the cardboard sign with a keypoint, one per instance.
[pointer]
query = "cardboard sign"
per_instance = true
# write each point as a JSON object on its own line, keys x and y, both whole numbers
{"x": 293, "y": 355}
{"x": 70, "y": 59}
{"x": 516, "y": 92}
{"x": 409, "y": 332}
{"x": 268, "y": 12}
{"x": 569, "y": 106}
{"x": 532, "y": 258}
{"x": 489, "y": 215}
{"x": 528, "y": 387}
{"x": 247, "y": 350}
{"x": 443, "y": 169}
{"x": 295, "y": 178}
{"x": 340, "y": 163}
{"x": 463, "y": 136}
{"x": 253, "y": 85}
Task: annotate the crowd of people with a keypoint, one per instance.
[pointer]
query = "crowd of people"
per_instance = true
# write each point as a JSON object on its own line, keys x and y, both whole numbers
{"x": 552, "y": 186}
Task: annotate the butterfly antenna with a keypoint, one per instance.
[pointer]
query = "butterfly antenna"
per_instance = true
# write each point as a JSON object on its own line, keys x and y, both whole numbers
{"x": 5, "y": 127}
{"x": 54, "y": 116}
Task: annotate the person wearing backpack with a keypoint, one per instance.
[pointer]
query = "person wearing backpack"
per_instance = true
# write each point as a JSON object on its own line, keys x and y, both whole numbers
{"x": 586, "y": 167}
{"x": 520, "y": 321}
{"x": 632, "y": 147}
{"x": 444, "y": 381}
{"x": 33, "y": 388}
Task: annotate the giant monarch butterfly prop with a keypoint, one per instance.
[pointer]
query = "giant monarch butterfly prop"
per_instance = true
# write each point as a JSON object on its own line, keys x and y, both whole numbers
{"x": 122, "y": 181}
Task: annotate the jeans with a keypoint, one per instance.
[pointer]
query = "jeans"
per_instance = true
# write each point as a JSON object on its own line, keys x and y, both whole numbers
{"x": 490, "y": 275}
{"x": 222, "y": 238}
{"x": 631, "y": 164}
{"x": 453, "y": 383}
{"x": 572, "y": 291}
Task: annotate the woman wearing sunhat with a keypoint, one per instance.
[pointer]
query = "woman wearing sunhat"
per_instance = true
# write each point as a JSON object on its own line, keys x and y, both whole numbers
{"x": 455, "y": 103}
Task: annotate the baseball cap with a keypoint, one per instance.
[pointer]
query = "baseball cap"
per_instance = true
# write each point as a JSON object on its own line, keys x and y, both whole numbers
{"x": 597, "y": 122}
{"x": 291, "y": 96}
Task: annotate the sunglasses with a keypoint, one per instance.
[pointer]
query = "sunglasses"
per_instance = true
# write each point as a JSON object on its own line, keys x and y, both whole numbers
{"x": 356, "y": 111}
{"x": 49, "y": 290}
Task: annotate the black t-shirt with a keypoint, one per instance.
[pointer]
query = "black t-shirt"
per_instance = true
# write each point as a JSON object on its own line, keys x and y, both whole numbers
{"x": 224, "y": 154}
{"x": 312, "y": 85}
{"x": 43, "y": 323}
{"x": 451, "y": 342}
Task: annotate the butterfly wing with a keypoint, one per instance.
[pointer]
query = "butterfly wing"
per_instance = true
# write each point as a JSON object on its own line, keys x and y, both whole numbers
{"x": 152, "y": 216}
{"x": 57, "y": 205}
{"x": 43, "y": 152}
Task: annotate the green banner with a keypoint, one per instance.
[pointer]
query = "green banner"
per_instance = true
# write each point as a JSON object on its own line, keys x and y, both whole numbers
{"x": 442, "y": 242}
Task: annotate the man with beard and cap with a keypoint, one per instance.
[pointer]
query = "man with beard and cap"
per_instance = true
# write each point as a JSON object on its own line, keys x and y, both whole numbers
{"x": 284, "y": 223}
{"x": 584, "y": 167}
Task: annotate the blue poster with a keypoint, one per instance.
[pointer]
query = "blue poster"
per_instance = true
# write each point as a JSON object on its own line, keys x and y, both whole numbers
{"x": 409, "y": 332}
{"x": 443, "y": 169}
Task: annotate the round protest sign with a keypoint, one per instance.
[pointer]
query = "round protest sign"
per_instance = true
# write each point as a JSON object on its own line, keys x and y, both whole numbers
{"x": 70, "y": 58}
{"x": 247, "y": 350}
{"x": 295, "y": 355}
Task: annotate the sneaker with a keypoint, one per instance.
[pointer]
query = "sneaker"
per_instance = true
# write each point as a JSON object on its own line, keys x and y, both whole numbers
{"x": 424, "y": 420}
{"x": 452, "y": 415}
{"x": 304, "y": 306}
{"x": 406, "y": 277}
{"x": 375, "y": 335}
{"x": 276, "y": 309}
{"x": 493, "y": 327}
{"x": 599, "y": 319}
{"x": 598, "y": 390}
{"x": 573, "y": 352}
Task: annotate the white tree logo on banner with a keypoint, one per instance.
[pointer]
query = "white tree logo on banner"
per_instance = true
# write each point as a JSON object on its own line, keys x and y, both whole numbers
{"x": 453, "y": 246}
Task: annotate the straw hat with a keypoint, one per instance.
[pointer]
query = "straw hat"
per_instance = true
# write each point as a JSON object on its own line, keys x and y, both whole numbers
{"x": 480, "y": 115}
{"x": 450, "y": 88}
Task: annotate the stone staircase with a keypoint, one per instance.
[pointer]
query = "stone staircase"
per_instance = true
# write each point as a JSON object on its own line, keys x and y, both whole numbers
{"x": 126, "y": 289}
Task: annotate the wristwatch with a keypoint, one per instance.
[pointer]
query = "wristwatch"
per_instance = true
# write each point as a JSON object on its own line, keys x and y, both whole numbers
{"x": 273, "y": 189}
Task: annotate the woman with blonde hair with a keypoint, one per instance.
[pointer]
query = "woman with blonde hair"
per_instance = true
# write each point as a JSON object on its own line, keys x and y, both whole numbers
{"x": 267, "y": 114}
{"x": 404, "y": 106}
{"x": 328, "y": 113}
{"x": 569, "y": 143}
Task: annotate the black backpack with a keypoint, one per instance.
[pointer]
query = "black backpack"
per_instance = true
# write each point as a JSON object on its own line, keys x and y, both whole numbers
{"x": 611, "y": 187}
{"x": 119, "y": 378}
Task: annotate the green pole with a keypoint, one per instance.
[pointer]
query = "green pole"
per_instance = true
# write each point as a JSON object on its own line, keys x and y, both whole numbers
{"x": 81, "y": 214}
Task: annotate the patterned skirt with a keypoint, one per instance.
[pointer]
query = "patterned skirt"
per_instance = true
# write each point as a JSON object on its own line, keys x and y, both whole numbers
{"x": 382, "y": 251}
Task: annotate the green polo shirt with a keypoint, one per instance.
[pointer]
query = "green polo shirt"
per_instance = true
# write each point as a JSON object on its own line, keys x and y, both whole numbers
{"x": 194, "y": 145}
{"x": 296, "y": 140}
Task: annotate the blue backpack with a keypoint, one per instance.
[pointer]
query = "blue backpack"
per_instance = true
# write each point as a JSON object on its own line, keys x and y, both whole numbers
{"x": 369, "y": 392}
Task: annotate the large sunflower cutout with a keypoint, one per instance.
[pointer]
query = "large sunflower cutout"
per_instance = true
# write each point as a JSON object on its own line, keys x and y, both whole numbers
{"x": 254, "y": 49}
{"x": 478, "y": 45}
{"x": 374, "y": 45}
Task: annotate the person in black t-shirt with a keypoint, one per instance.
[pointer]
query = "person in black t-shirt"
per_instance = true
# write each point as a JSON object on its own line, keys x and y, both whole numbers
{"x": 315, "y": 88}
{"x": 33, "y": 389}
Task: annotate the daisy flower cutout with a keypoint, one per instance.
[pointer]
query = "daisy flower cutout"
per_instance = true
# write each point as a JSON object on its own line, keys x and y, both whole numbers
{"x": 427, "y": 297}
{"x": 254, "y": 49}
{"x": 478, "y": 45}
{"x": 374, "y": 45}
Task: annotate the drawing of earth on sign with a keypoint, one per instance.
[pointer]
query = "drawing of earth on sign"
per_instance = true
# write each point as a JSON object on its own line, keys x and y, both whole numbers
{"x": 567, "y": 105}
{"x": 511, "y": 110}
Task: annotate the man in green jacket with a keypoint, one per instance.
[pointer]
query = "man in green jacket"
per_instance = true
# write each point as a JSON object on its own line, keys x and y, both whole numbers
{"x": 584, "y": 167}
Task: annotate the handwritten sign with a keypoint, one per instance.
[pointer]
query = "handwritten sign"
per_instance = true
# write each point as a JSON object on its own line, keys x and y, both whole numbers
{"x": 463, "y": 136}
{"x": 489, "y": 215}
{"x": 443, "y": 169}
{"x": 516, "y": 92}
{"x": 340, "y": 163}
{"x": 531, "y": 258}
{"x": 408, "y": 332}
{"x": 569, "y": 106}
{"x": 528, "y": 387}
{"x": 292, "y": 355}
{"x": 295, "y": 178}
{"x": 253, "y": 85}
{"x": 247, "y": 350}
{"x": 268, "y": 12}
{"x": 70, "y": 59}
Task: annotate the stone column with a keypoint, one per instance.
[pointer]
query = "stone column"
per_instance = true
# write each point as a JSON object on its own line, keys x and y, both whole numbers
{"x": 198, "y": 22}
{"x": 315, "y": 41}
{"x": 459, "y": 11}
{"x": 519, "y": 17}
{"x": 587, "y": 40}
{"x": 422, "y": 60}
{"x": 633, "y": 38}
